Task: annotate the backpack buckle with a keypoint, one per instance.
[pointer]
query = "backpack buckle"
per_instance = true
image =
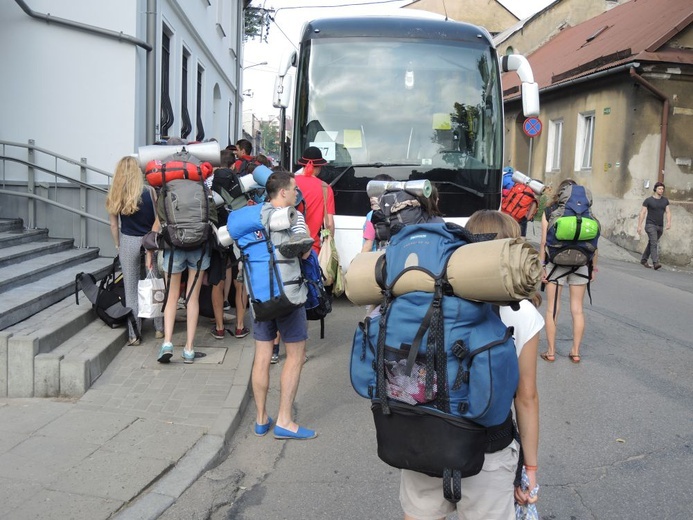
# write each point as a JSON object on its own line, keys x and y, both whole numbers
{"x": 459, "y": 349}
{"x": 463, "y": 407}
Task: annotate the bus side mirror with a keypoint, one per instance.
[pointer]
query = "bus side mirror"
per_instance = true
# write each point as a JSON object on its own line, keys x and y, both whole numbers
{"x": 282, "y": 92}
{"x": 530, "y": 90}
{"x": 530, "y": 99}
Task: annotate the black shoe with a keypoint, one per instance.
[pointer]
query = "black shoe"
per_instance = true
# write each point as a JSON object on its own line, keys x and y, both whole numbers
{"x": 645, "y": 264}
{"x": 656, "y": 266}
{"x": 296, "y": 246}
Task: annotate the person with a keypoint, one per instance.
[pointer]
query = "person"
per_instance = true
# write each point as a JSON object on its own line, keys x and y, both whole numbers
{"x": 317, "y": 195}
{"x": 490, "y": 494}
{"x": 131, "y": 210}
{"x": 577, "y": 285}
{"x": 654, "y": 208}
{"x": 243, "y": 158}
{"x": 281, "y": 189}
{"x": 369, "y": 243}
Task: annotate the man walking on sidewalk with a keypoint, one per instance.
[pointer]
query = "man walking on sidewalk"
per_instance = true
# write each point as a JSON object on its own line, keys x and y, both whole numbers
{"x": 654, "y": 208}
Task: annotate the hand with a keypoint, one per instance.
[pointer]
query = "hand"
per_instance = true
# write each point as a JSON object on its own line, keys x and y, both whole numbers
{"x": 148, "y": 260}
{"x": 544, "y": 275}
{"x": 639, "y": 230}
{"x": 669, "y": 225}
{"x": 521, "y": 496}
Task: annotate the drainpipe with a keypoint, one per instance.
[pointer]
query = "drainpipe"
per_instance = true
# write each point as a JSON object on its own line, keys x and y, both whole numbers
{"x": 665, "y": 119}
{"x": 150, "y": 95}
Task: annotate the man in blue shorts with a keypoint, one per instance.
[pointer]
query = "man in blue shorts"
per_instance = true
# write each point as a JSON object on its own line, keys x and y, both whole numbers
{"x": 281, "y": 188}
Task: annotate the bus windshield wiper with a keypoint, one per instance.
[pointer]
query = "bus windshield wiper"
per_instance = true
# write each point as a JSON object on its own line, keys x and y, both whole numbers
{"x": 384, "y": 165}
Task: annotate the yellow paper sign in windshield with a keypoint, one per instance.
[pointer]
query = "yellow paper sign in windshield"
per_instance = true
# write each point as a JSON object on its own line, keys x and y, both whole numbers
{"x": 352, "y": 139}
{"x": 441, "y": 121}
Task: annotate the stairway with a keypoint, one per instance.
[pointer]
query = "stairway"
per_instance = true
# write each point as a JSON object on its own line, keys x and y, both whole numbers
{"x": 49, "y": 345}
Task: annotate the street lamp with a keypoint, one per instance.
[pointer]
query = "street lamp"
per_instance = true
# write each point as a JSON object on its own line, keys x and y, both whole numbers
{"x": 255, "y": 65}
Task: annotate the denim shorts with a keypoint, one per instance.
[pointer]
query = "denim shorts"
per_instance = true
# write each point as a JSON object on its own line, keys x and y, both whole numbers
{"x": 184, "y": 260}
{"x": 293, "y": 327}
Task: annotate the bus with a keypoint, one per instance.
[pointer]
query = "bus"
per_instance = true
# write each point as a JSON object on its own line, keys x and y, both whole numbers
{"x": 411, "y": 97}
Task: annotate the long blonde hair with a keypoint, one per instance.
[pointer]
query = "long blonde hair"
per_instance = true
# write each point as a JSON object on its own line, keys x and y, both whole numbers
{"x": 125, "y": 195}
{"x": 503, "y": 225}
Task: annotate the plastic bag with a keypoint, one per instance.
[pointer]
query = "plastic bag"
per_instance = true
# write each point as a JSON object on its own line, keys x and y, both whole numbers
{"x": 150, "y": 296}
{"x": 527, "y": 511}
{"x": 329, "y": 262}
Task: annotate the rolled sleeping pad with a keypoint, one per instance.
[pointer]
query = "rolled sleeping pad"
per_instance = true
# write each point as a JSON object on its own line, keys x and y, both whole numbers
{"x": 261, "y": 173}
{"x": 282, "y": 218}
{"x": 155, "y": 171}
{"x": 248, "y": 183}
{"x": 495, "y": 271}
{"x": 421, "y": 188}
{"x": 223, "y": 236}
{"x": 209, "y": 152}
{"x": 536, "y": 186}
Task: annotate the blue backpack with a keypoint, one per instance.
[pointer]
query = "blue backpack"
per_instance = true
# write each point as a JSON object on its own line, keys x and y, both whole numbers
{"x": 441, "y": 371}
{"x": 275, "y": 284}
{"x": 318, "y": 301}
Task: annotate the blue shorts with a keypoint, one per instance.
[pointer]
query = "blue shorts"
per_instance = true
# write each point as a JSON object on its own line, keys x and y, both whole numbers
{"x": 184, "y": 260}
{"x": 293, "y": 327}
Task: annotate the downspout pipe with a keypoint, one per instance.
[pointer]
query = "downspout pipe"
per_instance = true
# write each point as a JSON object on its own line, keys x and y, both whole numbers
{"x": 665, "y": 119}
{"x": 83, "y": 27}
{"x": 150, "y": 93}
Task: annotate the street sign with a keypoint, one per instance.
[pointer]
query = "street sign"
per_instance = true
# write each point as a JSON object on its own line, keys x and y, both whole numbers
{"x": 532, "y": 127}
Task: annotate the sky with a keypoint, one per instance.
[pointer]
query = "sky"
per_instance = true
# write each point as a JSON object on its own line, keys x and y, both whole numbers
{"x": 258, "y": 78}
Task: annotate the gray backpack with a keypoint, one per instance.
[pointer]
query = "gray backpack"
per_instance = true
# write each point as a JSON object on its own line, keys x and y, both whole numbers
{"x": 186, "y": 213}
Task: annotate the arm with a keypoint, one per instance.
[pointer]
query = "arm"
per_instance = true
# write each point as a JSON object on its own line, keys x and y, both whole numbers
{"x": 594, "y": 265}
{"x": 542, "y": 245}
{"x": 115, "y": 232}
{"x": 641, "y": 218}
{"x": 667, "y": 212}
{"x": 527, "y": 411}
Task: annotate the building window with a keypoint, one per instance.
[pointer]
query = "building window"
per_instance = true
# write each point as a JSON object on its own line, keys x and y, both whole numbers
{"x": 186, "y": 127}
{"x": 585, "y": 141}
{"x": 200, "y": 126}
{"x": 555, "y": 144}
{"x": 166, "y": 115}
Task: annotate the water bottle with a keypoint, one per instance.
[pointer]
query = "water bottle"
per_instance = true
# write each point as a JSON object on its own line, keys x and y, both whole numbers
{"x": 536, "y": 186}
{"x": 420, "y": 188}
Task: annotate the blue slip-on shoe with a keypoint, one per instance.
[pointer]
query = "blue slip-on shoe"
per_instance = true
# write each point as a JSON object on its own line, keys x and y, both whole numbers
{"x": 166, "y": 353}
{"x": 262, "y": 429}
{"x": 303, "y": 434}
{"x": 188, "y": 357}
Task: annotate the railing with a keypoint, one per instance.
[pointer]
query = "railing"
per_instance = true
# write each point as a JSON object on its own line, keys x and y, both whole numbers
{"x": 33, "y": 165}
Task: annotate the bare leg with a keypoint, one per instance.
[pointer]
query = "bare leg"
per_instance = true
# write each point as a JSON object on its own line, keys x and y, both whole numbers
{"x": 193, "y": 309}
{"x": 218, "y": 304}
{"x": 171, "y": 307}
{"x": 241, "y": 303}
{"x": 577, "y": 295}
{"x": 291, "y": 375}
{"x": 261, "y": 378}
{"x": 552, "y": 299}
{"x": 227, "y": 283}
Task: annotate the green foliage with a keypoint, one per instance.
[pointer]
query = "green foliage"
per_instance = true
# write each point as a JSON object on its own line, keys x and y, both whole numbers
{"x": 257, "y": 23}
{"x": 270, "y": 138}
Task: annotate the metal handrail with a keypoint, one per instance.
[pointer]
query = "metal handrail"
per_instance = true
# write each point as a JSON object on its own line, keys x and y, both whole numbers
{"x": 51, "y": 172}
{"x": 56, "y": 204}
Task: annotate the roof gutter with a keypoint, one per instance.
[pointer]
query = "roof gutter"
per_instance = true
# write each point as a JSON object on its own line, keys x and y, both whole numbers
{"x": 115, "y": 35}
{"x": 665, "y": 119}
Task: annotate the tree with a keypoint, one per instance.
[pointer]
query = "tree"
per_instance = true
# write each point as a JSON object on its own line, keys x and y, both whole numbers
{"x": 270, "y": 138}
{"x": 257, "y": 23}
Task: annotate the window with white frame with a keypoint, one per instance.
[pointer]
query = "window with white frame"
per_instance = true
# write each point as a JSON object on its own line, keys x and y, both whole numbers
{"x": 584, "y": 146}
{"x": 553, "y": 151}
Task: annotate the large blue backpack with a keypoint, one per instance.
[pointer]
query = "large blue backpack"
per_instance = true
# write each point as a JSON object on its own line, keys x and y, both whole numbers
{"x": 275, "y": 284}
{"x": 318, "y": 300}
{"x": 441, "y": 371}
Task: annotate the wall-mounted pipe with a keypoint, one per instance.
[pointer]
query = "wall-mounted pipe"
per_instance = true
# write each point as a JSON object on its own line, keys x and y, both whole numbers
{"x": 665, "y": 119}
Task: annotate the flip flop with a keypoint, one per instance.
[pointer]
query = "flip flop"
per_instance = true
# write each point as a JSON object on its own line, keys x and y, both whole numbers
{"x": 575, "y": 358}
{"x": 549, "y": 358}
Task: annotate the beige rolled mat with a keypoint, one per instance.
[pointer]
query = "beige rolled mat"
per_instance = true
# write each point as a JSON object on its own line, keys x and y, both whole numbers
{"x": 495, "y": 271}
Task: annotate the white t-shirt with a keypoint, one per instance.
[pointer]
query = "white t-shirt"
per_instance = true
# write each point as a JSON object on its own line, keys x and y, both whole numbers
{"x": 527, "y": 321}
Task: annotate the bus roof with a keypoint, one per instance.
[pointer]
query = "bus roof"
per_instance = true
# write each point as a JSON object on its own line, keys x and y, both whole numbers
{"x": 425, "y": 28}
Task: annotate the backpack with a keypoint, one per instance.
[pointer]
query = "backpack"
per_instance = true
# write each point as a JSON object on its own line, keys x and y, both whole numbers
{"x": 318, "y": 301}
{"x": 180, "y": 165}
{"x": 441, "y": 371}
{"x": 520, "y": 203}
{"x": 274, "y": 283}
{"x": 227, "y": 184}
{"x": 107, "y": 298}
{"x": 398, "y": 208}
{"x": 573, "y": 231}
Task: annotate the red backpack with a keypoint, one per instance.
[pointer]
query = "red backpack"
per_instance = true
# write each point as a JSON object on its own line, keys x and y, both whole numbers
{"x": 520, "y": 203}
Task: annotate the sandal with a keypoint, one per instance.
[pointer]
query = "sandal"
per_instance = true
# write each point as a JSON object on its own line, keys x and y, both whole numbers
{"x": 575, "y": 358}
{"x": 550, "y": 358}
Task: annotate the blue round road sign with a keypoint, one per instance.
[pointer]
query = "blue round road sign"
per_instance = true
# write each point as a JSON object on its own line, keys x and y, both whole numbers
{"x": 532, "y": 126}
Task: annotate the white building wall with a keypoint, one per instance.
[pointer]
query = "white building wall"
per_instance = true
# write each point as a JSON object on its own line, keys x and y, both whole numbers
{"x": 83, "y": 95}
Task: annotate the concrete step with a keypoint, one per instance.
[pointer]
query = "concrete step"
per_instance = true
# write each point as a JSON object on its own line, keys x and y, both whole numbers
{"x": 14, "y": 254}
{"x": 16, "y": 275}
{"x": 22, "y": 302}
{"x": 8, "y": 224}
{"x": 70, "y": 369}
{"x": 21, "y": 236}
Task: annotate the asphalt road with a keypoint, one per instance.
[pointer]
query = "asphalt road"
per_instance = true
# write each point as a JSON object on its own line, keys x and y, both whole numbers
{"x": 616, "y": 430}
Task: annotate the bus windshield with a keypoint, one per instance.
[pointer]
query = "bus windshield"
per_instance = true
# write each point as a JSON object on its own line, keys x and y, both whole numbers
{"x": 409, "y": 108}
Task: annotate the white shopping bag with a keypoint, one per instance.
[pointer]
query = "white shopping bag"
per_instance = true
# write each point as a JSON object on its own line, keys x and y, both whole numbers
{"x": 150, "y": 296}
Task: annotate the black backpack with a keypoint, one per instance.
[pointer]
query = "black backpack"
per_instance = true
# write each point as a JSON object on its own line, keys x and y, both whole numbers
{"x": 107, "y": 298}
{"x": 398, "y": 208}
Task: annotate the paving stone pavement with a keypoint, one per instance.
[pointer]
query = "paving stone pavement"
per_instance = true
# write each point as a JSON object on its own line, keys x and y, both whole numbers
{"x": 140, "y": 436}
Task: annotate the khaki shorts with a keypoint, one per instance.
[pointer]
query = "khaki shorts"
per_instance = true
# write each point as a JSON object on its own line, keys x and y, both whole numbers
{"x": 486, "y": 496}
{"x": 571, "y": 279}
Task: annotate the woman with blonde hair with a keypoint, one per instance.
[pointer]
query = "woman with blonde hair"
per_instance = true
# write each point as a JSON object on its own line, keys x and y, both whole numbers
{"x": 490, "y": 495}
{"x": 131, "y": 209}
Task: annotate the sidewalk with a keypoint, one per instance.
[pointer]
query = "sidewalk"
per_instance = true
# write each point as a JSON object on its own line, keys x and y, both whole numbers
{"x": 134, "y": 442}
